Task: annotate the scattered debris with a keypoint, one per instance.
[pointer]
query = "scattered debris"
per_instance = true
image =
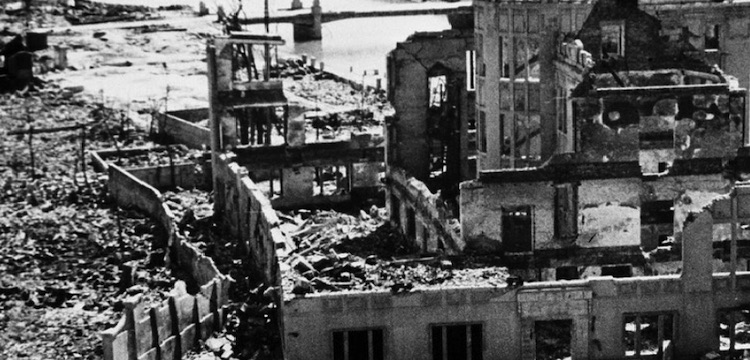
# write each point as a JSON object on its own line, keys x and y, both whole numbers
{"x": 337, "y": 252}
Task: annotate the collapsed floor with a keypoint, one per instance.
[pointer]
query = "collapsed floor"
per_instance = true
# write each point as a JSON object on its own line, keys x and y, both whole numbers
{"x": 340, "y": 252}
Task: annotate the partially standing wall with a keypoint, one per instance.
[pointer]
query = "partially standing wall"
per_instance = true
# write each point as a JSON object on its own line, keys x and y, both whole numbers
{"x": 422, "y": 216}
{"x": 169, "y": 329}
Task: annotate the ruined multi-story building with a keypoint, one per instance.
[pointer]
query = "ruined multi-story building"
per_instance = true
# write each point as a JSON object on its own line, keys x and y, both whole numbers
{"x": 598, "y": 129}
{"x": 250, "y": 118}
{"x": 605, "y": 148}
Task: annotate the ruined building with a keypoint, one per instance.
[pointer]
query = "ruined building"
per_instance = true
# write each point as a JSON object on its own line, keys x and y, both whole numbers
{"x": 250, "y": 119}
{"x": 605, "y": 150}
{"x": 598, "y": 129}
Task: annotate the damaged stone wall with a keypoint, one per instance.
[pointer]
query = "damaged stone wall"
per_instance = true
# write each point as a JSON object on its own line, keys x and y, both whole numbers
{"x": 609, "y": 213}
{"x": 482, "y": 209}
{"x": 408, "y": 91}
{"x": 249, "y": 216}
{"x": 172, "y": 328}
{"x": 425, "y": 218}
{"x": 657, "y": 129}
{"x": 619, "y": 215}
{"x": 689, "y": 24}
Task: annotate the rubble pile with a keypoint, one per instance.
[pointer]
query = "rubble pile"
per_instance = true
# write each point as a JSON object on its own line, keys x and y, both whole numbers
{"x": 251, "y": 330}
{"x": 68, "y": 257}
{"x": 89, "y": 12}
{"x": 158, "y": 156}
{"x": 338, "y": 252}
{"x": 336, "y": 93}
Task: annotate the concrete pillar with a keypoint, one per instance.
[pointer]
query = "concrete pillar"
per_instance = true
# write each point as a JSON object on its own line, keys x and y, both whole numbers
{"x": 547, "y": 88}
{"x": 61, "y": 57}
{"x": 312, "y": 27}
{"x": 697, "y": 332}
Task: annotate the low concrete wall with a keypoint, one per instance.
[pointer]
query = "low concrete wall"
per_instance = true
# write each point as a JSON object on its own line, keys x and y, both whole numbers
{"x": 169, "y": 330}
{"x": 177, "y": 127}
{"x": 432, "y": 219}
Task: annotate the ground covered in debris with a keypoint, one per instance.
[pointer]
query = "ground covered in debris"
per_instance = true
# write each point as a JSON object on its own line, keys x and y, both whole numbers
{"x": 341, "y": 252}
{"x": 62, "y": 244}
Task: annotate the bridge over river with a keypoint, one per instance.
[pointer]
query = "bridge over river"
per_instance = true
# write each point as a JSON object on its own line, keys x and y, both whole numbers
{"x": 308, "y": 22}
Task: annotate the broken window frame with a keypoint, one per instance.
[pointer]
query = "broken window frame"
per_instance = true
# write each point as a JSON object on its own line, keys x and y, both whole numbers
{"x": 612, "y": 33}
{"x": 438, "y": 90}
{"x": 711, "y": 37}
{"x": 731, "y": 315}
{"x": 375, "y": 351}
{"x": 504, "y": 56}
{"x": 552, "y": 325}
{"x": 341, "y": 188}
{"x": 525, "y": 59}
{"x": 439, "y": 348}
{"x": 663, "y": 318}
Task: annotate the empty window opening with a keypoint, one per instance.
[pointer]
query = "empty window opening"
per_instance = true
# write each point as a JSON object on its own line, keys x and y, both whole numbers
{"x": 471, "y": 71}
{"x": 516, "y": 228}
{"x": 457, "y": 342}
{"x": 358, "y": 345}
{"x": 395, "y": 210}
{"x": 552, "y": 339}
{"x": 331, "y": 180}
{"x": 425, "y": 237}
{"x": 479, "y": 54}
{"x": 647, "y": 334}
{"x": 438, "y": 90}
{"x": 567, "y": 273}
{"x": 526, "y": 58}
{"x": 504, "y": 140}
{"x": 504, "y": 58}
{"x": 482, "y": 132}
{"x": 259, "y": 126}
{"x": 658, "y": 218}
{"x": 618, "y": 271}
{"x": 411, "y": 224}
{"x": 734, "y": 330}
{"x": 562, "y": 110}
{"x": 712, "y": 37}
{"x": 613, "y": 40}
{"x": 566, "y": 217}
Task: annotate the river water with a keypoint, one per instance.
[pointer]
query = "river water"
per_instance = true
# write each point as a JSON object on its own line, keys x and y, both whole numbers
{"x": 349, "y": 47}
